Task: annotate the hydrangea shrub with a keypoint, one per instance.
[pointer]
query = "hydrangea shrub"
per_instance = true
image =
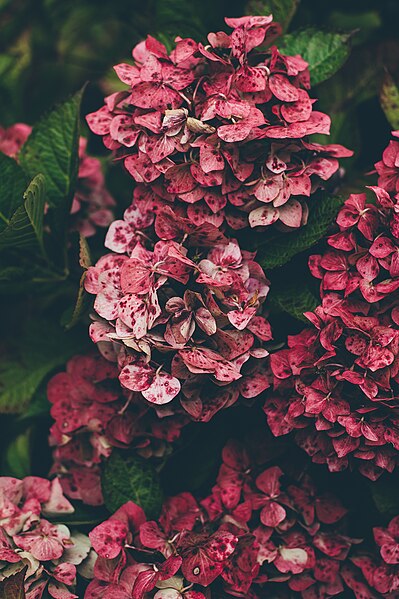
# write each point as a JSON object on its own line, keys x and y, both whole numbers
{"x": 222, "y": 142}
{"x": 220, "y": 131}
{"x": 336, "y": 382}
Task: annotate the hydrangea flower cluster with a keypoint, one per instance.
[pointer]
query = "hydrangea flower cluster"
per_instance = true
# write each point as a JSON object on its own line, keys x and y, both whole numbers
{"x": 337, "y": 382}
{"x": 183, "y": 322}
{"x": 375, "y": 573}
{"x": 92, "y": 204}
{"x": 50, "y": 552}
{"x": 256, "y": 530}
{"x": 92, "y": 416}
{"x": 379, "y": 570}
{"x": 13, "y": 138}
{"x": 220, "y": 131}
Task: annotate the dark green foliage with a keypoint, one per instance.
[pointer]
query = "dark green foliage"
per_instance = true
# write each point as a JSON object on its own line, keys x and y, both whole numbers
{"x": 52, "y": 149}
{"x": 294, "y": 300}
{"x": 13, "y": 184}
{"x": 282, "y": 249}
{"x": 131, "y": 478}
{"x": 389, "y": 98}
{"x": 325, "y": 52}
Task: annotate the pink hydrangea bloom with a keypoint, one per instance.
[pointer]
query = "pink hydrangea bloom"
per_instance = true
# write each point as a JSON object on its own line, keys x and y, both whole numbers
{"x": 92, "y": 416}
{"x": 13, "y": 138}
{"x": 376, "y": 573}
{"x": 183, "y": 323}
{"x": 51, "y": 552}
{"x": 336, "y": 384}
{"x": 92, "y": 206}
{"x": 220, "y": 131}
{"x": 244, "y": 545}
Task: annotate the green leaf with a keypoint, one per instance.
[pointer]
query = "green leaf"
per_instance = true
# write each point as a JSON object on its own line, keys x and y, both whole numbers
{"x": 131, "y": 478}
{"x": 17, "y": 456}
{"x": 39, "y": 406}
{"x": 384, "y": 492}
{"x": 321, "y": 215}
{"x": 179, "y": 17}
{"x": 44, "y": 347}
{"x": 25, "y": 227}
{"x": 294, "y": 301}
{"x": 13, "y": 587}
{"x": 325, "y": 51}
{"x": 52, "y": 149}
{"x": 389, "y": 100}
{"x": 282, "y": 10}
{"x": 12, "y": 187}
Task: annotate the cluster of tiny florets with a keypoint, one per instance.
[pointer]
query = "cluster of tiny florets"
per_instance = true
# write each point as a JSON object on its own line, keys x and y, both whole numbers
{"x": 220, "y": 132}
{"x": 50, "y": 552}
{"x": 93, "y": 415}
{"x": 337, "y": 383}
{"x": 258, "y": 531}
{"x": 183, "y": 322}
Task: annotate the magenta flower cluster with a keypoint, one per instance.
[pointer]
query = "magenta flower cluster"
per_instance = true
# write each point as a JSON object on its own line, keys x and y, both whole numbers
{"x": 379, "y": 570}
{"x": 336, "y": 384}
{"x": 92, "y": 205}
{"x": 182, "y": 315}
{"x": 216, "y": 139}
{"x": 50, "y": 552}
{"x": 256, "y": 530}
{"x": 220, "y": 131}
{"x": 93, "y": 415}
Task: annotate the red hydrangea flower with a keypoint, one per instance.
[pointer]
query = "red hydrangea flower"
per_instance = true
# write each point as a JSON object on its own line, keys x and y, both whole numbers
{"x": 51, "y": 552}
{"x": 337, "y": 382}
{"x": 92, "y": 204}
{"x": 184, "y": 322}
{"x": 388, "y": 167}
{"x": 93, "y": 414}
{"x": 13, "y": 138}
{"x": 220, "y": 131}
{"x": 194, "y": 548}
{"x": 376, "y": 573}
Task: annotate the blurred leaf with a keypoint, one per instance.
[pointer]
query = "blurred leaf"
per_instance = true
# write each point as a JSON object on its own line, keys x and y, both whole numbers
{"x": 25, "y": 227}
{"x": 322, "y": 213}
{"x": 52, "y": 149}
{"x": 17, "y": 456}
{"x": 12, "y": 187}
{"x": 13, "y": 587}
{"x": 131, "y": 478}
{"x": 177, "y": 17}
{"x": 38, "y": 407}
{"x": 324, "y": 51}
{"x": 282, "y": 10}
{"x": 43, "y": 347}
{"x": 389, "y": 99}
{"x": 366, "y": 22}
{"x": 384, "y": 492}
{"x": 293, "y": 300}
